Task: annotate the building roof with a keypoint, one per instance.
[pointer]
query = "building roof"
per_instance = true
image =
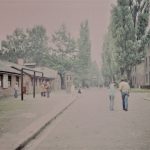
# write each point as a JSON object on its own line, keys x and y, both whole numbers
{"x": 5, "y": 68}
{"x": 16, "y": 68}
{"x": 49, "y": 73}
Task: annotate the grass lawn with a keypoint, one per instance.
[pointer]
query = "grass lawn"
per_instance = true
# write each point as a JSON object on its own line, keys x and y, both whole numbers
{"x": 7, "y": 107}
{"x": 140, "y": 90}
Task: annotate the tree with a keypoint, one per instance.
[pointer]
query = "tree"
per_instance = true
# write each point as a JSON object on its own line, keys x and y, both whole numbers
{"x": 95, "y": 75}
{"x": 37, "y": 48}
{"x": 84, "y": 46}
{"x": 14, "y": 46}
{"x": 32, "y": 45}
{"x": 110, "y": 69}
{"x": 140, "y": 15}
{"x": 63, "y": 51}
{"x": 129, "y": 25}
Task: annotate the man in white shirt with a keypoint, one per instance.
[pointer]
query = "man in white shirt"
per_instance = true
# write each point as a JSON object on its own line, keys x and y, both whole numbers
{"x": 124, "y": 89}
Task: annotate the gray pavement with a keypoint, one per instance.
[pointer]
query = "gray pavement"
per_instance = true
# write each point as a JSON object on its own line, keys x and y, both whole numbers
{"x": 89, "y": 125}
{"x": 24, "y": 119}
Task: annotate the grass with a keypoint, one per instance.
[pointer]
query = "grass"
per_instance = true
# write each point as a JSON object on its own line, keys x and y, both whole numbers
{"x": 138, "y": 90}
{"x": 8, "y": 106}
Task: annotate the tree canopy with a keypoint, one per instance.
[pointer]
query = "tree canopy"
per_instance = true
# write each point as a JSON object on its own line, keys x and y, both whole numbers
{"x": 31, "y": 45}
{"x": 130, "y": 33}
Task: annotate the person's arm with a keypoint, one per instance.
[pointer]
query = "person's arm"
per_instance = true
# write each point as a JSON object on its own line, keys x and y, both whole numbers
{"x": 120, "y": 87}
{"x": 128, "y": 89}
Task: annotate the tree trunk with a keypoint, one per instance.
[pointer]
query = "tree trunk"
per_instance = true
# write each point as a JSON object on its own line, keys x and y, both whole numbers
{"x": 129, "y": 76}
{"x": 62, "y": 81}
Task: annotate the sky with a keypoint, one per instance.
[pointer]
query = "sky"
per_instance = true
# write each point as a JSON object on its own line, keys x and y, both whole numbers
{"x": 53, "y": 13}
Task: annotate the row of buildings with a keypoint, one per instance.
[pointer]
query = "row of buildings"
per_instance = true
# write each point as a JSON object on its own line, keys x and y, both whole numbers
{"x": 10, "y": 74}
{"x": 141, "y": 73}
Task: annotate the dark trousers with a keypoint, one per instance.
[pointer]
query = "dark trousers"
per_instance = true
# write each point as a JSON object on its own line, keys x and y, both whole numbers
{"x": 124, "y": 100}
{"x": 16, "y": 94}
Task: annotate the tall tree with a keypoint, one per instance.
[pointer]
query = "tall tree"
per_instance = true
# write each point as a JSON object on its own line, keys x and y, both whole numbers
{"x": 63, "y": 51}
{"x": 84, "y": 46}
{"x": 95, "y": 75}
{"x": 109, "y": 64}
{"x": 14, "y": 46}
{"x": 31, "y": 45}
{"x": 140, "y": 15}
{"x": 37, "y": 48}
{"x": 129, "y": 26}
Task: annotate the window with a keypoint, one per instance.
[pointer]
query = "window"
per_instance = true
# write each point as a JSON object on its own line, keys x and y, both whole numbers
{"x": 17, "y": 80}
{"x": 1, "y": 80}
{"x": 9, "y": 81}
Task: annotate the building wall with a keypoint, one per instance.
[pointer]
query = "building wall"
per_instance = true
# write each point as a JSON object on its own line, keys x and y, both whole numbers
{"x": 9, "y": 91}
{"x": 68, "y": 81}
{"x": 57, "y": 83}
{"x": 147, "y": 68}
{"x": 141, "y": 73}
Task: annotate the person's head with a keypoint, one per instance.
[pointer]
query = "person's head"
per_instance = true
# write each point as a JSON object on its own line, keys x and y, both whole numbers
{"x": 122, "y": 78}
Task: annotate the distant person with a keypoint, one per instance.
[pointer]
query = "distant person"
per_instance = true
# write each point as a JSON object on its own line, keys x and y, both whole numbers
{"x": 124, "y": 89}
{"x": 79, "y": 90}
{"x": 48, "y": 89}
{"x": 42, "y": 89}
{"x": 16, "y": 90}
{"x": 111, "y": 95}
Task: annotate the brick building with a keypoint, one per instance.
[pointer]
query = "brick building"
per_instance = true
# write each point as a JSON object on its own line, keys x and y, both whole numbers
{"x": 141, "y": 73}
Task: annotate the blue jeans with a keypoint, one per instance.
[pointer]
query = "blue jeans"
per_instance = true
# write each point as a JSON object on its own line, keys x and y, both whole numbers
{"x": 15, "y": 94}
{"x": 124, "y": 100}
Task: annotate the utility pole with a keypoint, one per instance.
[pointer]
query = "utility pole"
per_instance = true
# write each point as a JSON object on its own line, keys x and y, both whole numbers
{"x": 22, "y": 71}
{"x": 22, "y": 84}
{"x": 34, "y": 85}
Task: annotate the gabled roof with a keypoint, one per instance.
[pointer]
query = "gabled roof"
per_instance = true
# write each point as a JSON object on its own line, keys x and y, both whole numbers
{"x": 49, "y": 73}
{"x": 7, "y": 69}
{"x": 19, "y": 67}
{"x": 16, "y": 68}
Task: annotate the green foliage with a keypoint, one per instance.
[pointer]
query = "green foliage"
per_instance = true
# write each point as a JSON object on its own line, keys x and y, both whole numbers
{"x": 37, "y": 45}
{"x": 63, "y": 49}
{"x": 14, "y": 45}
{"x": 31, "y": 45}
{"x": 129, "y": 29}
{"x": 84, "y": 60}
{"x": 95, "y": 75}
{"x": 109, "y": 64}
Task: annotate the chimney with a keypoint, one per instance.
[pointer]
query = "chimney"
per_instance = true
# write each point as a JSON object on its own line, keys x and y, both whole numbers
{"x": 20, "y": 61}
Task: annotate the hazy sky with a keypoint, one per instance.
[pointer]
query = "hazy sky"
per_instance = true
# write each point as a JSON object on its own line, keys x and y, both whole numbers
{"x": 52, "y": 13}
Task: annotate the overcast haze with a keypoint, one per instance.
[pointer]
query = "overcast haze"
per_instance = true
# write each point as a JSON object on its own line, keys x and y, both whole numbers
{"x": 52, "y": 13}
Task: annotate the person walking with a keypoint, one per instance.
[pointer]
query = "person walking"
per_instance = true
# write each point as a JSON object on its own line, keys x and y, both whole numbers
{"x": 16, "y": 90}
{"x": 111, "y": 95}
{"x": 124, "y": 89}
